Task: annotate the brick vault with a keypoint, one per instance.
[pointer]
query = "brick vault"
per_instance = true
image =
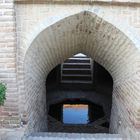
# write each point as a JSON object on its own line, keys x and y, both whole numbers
{"x": 87, "y": 33}
{"x": 38, "y": 45}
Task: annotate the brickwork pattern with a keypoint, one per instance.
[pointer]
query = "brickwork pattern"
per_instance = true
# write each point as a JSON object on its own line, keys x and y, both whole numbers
{"x": 118, "y": 2}
{"x": 67, "y": 136}
{"x": 117, "y": 52}
{"x": 8, "y": 113}
{"x": 107, "y": 45}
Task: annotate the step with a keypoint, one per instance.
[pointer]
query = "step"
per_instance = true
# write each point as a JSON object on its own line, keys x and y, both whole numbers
{"x": 77, "y": 61}
{"x": 82, "y": 78}
{"x": 72, "y": 136}
{"x": 76, "y": 75}
{"x": 77, "y": 65}
{"x": 76, "y": 82}
{"x": 76, "y": 71}
{"x": 78, "y": 58}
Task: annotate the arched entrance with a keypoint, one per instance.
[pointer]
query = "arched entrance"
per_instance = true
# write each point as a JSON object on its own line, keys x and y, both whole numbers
{"x": 87, "y": 33}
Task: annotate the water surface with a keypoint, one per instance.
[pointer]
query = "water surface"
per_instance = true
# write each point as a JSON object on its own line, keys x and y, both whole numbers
{"x": 75, "y": 114}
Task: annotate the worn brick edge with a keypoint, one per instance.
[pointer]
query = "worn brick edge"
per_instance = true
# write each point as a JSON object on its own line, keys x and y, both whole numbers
{"x": 105, "y": 2}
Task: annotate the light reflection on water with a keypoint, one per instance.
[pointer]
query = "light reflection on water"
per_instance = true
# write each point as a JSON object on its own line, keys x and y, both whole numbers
{"x": 75, "y": 114}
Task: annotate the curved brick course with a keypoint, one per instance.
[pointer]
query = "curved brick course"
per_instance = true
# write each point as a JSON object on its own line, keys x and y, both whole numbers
{"x": 86, "y": 32}
{"x": 49, "y": 33}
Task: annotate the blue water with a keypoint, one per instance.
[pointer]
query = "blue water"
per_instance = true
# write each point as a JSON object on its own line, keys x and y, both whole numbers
{"x": 75, "y": 116}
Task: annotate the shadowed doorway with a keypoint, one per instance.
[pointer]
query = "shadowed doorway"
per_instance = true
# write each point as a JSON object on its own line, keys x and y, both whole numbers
{"x": 79, "y": 95}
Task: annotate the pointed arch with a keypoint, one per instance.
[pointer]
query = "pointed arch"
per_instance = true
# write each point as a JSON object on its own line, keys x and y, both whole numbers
{"x": 110, "y": 46}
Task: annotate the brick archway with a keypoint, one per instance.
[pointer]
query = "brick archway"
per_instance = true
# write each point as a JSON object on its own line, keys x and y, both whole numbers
{"x": 88, "y": 33}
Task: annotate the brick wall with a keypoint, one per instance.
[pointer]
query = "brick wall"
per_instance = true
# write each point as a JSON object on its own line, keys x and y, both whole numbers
{"x": 120, "y": 56}
{"x": 107, "y": 45}
{"x": 8, "y": 113}
{"x": 129, "y": 2}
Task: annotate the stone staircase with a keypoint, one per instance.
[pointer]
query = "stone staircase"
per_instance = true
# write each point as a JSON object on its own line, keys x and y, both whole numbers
{"x": 72, "y": 136}
{"x": 77, "y": 70}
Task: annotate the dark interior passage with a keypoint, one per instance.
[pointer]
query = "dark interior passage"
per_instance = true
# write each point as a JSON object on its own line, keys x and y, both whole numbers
{"x": 101, "y": 80}
{"x": 79, "y": 81}
{"x": 77, "y": 116}
{"x": 59, "y": 110}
